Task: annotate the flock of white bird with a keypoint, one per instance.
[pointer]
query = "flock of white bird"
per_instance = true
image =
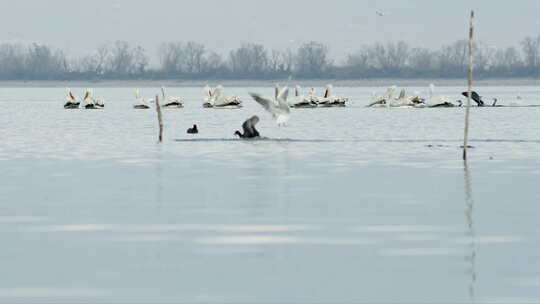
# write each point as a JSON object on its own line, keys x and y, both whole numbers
{"x": 279, "y": 104}
{"x": 212, "y": 98}
{"x": 387, "y": 100}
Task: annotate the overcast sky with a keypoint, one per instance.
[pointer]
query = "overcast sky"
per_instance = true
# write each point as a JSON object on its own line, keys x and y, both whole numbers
{"x": 80, "y": 26}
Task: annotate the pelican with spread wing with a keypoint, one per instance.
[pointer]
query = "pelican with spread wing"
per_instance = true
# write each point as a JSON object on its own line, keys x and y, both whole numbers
{"x": 213, "y": 99}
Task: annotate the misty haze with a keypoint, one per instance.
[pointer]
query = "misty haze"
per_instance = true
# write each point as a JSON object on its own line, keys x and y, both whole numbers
{"x": 241, "y": 39}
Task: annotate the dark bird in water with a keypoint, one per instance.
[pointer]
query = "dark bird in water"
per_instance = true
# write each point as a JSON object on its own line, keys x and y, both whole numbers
{"x": 193, "y": 130}
{"x": 249, "y": 128}
{"x": 477, "y": 98}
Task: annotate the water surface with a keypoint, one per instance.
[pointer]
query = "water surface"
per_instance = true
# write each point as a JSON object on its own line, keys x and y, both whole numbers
{"x": 348, "y": 205}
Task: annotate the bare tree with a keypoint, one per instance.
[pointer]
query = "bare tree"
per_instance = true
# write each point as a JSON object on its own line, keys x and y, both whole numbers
{"x": 398, "y": 55}
{"x": 312, "y": 59}
{"x": 531, "y": 52}
{"x": 12, "y": 59}
{"x": 194, "y": 57}
{"x": 249, "y": 60}
{"x": 453, "y": 58}
{"x": 507, "y": 62}
{"x": 484, "y": 58}
{"x": 275, "y": 63}
{"x": 288, "y": 61}
{"x": 140, "y": 61}
{"x": 171, "y": 55}
{"x": 44, "y": 62}
{"x": 422, "y": 60}
{"x": 121, "y": 58}
{"x": 213, "y": 63}
{"x": 359, "y": 62}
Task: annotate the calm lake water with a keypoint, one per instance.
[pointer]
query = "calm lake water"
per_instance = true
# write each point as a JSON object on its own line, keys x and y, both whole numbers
{"x": 341, "y": 205}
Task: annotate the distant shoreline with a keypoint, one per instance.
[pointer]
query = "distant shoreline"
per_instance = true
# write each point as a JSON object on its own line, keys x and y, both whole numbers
{"x": 259, "y": 83}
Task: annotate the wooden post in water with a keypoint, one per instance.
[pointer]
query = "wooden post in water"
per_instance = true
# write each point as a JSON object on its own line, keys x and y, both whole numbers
{"x": 160, "y": 119}
{"x": 469, "y": 93}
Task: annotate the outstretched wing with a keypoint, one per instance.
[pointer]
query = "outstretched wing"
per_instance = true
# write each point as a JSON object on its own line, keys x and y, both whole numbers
{"x": 390, "y": 92}
{"x": 280, "y": 112}
{"x": 477, "y": 98}
{"x": 283, "y": 94}
{"x": 249, "y": 127}
{"x": 266, "y": 103}
{"x": 283, "y": 110}
{"x": 217, "y": 92}
{"x": 402, "y": 94}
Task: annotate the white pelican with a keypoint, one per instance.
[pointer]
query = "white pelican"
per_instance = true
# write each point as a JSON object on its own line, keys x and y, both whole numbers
{"x": 328, "y": 100}
{"x": 71, "y": 100}
{"x": 224, "y": 102}
{"x": 300, "y": 101}
{"x": 140, "y": 103}
{"x": 279, "y": 108}
{"x": 438, "y": 101}
{"x": 209, "y": 96}
{"x": 402, "y": 101}
{"x": 172, "y": 102}
{"x": 90, "y": 102}
{"x": 312, "y": 97}
{"x": 382, "y": 100}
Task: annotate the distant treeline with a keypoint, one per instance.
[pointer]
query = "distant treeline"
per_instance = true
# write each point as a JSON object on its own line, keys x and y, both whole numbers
{"x": 191, "y": 60}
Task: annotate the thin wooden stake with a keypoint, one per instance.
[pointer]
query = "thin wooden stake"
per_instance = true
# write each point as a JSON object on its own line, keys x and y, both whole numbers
{"x": 469, "y": 93}
{"x": 160, "y": 119}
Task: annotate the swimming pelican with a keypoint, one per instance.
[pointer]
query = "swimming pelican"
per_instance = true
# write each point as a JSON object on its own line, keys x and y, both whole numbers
{"x": 171, "y": 102}
{"x": 382, "y": 100}
{"x": 249, "y": 128}
{"x": 279, "y": 108}
{"x": 140, "y": 103}
{"x": 226, "y": 102}
{"x": 209, "y": 97}
{"x": 300, "y": 101}
{"x": 71, "y": 101}
{"x": 328, "y": 100}
{"x": 438, "y": 101}
{"x": 88, "y": 103}
{"x": 402, "y": 101}
{"x": 213, "y": 99}
{"x": 174, "y": 102}
{"x": 91, "y": 103}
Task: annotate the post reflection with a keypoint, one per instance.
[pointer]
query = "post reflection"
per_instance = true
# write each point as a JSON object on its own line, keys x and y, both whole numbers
{"x": 159, "y": 181}
{"x": 471, "y": 234}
